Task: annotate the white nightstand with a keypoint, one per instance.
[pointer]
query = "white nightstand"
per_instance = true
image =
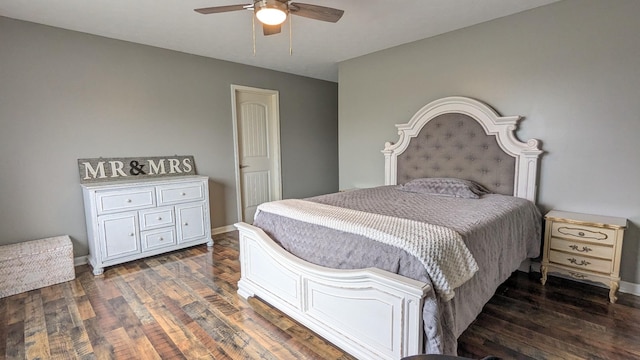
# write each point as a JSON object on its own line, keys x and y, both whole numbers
{"x": 584, "y": 247}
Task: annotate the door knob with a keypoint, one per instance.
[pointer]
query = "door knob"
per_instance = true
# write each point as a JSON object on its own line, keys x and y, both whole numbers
{"x": 244, "y": 166}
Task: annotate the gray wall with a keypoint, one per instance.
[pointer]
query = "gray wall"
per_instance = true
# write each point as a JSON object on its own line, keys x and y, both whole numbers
{"x": 66, "y": 95}
{"x": 571, "y": 68}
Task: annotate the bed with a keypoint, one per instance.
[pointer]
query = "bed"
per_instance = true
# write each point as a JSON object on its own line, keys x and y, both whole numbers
{"x": 385, "y": 311}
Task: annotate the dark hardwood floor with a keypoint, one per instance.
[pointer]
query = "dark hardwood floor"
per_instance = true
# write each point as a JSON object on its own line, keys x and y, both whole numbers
{"x": 183, "y": 305}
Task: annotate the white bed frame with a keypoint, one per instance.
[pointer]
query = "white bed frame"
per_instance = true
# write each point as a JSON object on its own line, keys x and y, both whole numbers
{"x": 369, "y": 313}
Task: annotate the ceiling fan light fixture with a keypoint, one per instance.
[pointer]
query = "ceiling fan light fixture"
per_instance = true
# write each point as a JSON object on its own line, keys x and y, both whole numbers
{"x": 271, "y": 12}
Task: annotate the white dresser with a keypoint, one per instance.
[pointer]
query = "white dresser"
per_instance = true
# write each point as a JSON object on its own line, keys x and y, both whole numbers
{"x": 584, "y": 247}
{"x": 131, "y": 220}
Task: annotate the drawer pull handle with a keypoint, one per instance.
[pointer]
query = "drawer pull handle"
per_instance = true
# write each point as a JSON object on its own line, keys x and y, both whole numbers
{"x": 584, "y": 248}
{"x": 577, "y": 275}
{"x": 581, "y": 263}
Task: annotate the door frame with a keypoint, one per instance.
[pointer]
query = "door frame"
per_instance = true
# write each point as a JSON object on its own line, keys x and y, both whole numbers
{"x": 274, "y": 127}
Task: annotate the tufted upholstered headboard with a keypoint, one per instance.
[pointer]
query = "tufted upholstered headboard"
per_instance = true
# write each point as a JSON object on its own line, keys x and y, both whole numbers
{"x": 455, "y": 145}
{"x": 464, "y": 138}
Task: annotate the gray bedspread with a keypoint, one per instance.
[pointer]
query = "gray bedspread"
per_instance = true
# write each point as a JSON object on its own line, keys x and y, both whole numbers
{"x": 500, "y": 231}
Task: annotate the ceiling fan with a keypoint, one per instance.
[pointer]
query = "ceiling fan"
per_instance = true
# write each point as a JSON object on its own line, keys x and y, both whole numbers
{"x": 272, "y": 13}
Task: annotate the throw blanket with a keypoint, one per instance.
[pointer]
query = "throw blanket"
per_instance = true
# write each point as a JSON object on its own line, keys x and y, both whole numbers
{"x": 441, "y": 250}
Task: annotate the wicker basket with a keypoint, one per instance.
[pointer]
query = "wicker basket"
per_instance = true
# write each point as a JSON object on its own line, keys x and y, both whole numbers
{"x": 34, "y": 264}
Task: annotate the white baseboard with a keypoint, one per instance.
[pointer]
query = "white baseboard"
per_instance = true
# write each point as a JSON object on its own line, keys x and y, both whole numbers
{"x": 80, "y": 260}
{"x": 223, "y": 229}
{"x": 630, "y": 288}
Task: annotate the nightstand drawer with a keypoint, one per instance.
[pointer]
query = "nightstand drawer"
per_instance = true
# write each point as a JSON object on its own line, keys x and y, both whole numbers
{"x": 574, "y": 247}
{"x": 583, "y": 275}
{"x": 590, "y": 234}
{"x": 580, "y": 262}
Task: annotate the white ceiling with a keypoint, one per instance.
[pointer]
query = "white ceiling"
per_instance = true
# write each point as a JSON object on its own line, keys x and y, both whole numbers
{"x": 367, "y": 26}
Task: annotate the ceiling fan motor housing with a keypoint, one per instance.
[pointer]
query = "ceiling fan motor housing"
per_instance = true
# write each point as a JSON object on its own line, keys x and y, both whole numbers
{"x": 271, "y": 12}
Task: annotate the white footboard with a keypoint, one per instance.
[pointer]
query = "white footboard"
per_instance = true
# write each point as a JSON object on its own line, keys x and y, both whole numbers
{"x": 369, "y": 313}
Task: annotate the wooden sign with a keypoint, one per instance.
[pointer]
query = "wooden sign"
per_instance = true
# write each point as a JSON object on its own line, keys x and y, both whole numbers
{"x": 110, "y": 169}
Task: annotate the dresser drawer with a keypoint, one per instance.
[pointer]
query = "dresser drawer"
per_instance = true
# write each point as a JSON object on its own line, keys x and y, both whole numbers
{"x": 116, "y": 201}
{"x": 580, "y": 262}
{"x": 156, "y": 218}
{"x": 158, "y": 238}
{"x": 180, "y": 193}
{"x": 586, "y": 233}
{"x": 574, "y": 247}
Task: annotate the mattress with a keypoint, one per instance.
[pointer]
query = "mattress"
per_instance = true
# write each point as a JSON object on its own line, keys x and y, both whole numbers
{"x": 500, "y": 232}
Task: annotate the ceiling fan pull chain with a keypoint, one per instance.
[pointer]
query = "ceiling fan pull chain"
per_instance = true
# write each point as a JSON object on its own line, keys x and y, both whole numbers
{"x": 253, "y": 25}
{"x": 290, "y": 35}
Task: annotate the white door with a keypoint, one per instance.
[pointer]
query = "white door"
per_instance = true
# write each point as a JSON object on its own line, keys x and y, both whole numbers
{"x": 257, "y": 130}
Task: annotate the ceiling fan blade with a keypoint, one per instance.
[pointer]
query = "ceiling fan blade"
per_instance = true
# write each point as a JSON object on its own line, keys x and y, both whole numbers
{"x": 271, "y": 29}
{"x": 316, "y": 12}
{"x": 220, "y": 9}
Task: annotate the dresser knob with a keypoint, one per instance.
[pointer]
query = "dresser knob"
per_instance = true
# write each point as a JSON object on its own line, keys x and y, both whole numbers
{"x": 186, "y": 224}
{"x": 161, "y": 239}
{"x": 159, "y": 218}
{"x": 132, "y": 234}
{"x": 128, "y": 200}
{"x": 183, "y": 194}
{"x": 581, "y": 233}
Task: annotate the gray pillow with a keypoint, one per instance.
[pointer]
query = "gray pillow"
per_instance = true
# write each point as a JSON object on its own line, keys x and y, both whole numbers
{"x": 451, "y": 187}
